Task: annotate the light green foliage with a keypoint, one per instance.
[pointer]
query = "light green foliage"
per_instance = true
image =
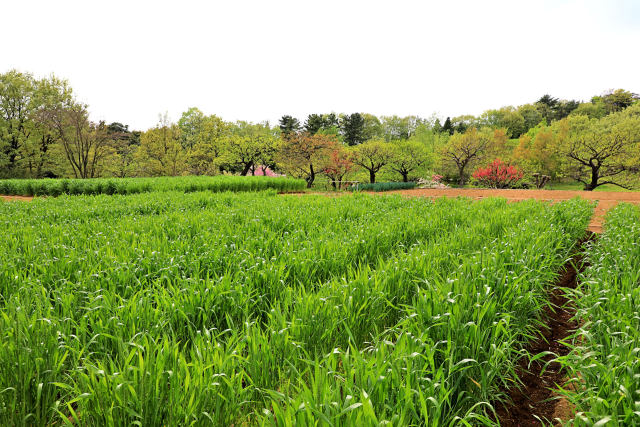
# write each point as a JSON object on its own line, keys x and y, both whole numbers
{"x": 465, "y": 151}
{"x": 602, "y": 151}
{"x": 593, "y": 110}
{"x": 16, "y": 103}
{"x": 250, "y": 146}
{"x": 191, "y": 126}
{"x": 618, "y": 100}
{"x": 177, "y": 309}
{"x": 506, "y": 117}
{"x": 409, "y": 157}
{"x": 531, "y": 116}
{"x": 397, "y": 128}
{"x": 160, "y": 152}
{"x": 372, "y": 156}
{"x": 27, "y": 106}
{"x": 605, "y": 360}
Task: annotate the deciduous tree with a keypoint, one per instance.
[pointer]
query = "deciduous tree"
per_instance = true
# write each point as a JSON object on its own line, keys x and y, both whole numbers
{"x": 337, "y": 164}
{"x": 372, "y": 156}
{"x": 161, "y": 151}
{"x": 464, "y": 149}
{"x": 618, "y": 100}
{"x": 604, "y": 151}
{"x": 302, "y": 155}
{"x": 408, "y": 156}
{"x": 85, "y": 143}
{"x": 17, "y": 92}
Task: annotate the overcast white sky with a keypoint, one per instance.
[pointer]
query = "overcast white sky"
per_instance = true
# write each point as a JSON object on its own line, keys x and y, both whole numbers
{"x": 257, "y": 60}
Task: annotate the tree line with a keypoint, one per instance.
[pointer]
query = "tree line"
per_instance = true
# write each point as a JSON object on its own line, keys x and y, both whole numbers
{"x": 46, "y": 132}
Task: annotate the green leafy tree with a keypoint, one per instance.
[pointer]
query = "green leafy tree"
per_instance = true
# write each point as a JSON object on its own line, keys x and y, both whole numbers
{"x": 463, "y": 150}
{"x": 531, "y": 116}
{"x": 303, "y": 155}
{"x": 537, "y": 152}
{"x": 461, "y": 123}
{"x": 372, "y": 156}
{"x": 125, "y": 143}
{"x": 618, "y": 100}
{"x": 407, "y": 157}
{"x": 249, "y": 145}
{"x": 161, "y": 152}
{"x": 506, "y": 117}
{"x": 51, "y": 95}
{"x": 191, "y": 126}
{"x": 17, "y": 92}
{"x": 373, "y": 127}
{"x": 85, "y": 144}
{"x": 437, "y": 126}
{"x": 207, "y": 155}
{"x": 400, "y": 128}
{"x": 243, "y": 151}
{"x": 594, "y": 110}
{"x": 604, "y": 151}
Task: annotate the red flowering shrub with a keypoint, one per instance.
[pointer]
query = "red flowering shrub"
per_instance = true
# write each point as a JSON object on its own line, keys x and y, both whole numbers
{"x": 498, "y": 175}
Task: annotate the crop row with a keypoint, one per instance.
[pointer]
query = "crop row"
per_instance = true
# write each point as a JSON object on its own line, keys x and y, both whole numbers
{"x": 383, "y": 186}
{"x": 605, "y": 361}
{"x": 187, "y": 184}
{"x": 169, "y": 309}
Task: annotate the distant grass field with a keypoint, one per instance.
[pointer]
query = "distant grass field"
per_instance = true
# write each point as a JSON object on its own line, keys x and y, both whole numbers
{"x": 186, "y": 184}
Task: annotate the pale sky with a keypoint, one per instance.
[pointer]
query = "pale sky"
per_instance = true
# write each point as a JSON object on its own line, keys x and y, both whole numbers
{"x": 257, "y": 60}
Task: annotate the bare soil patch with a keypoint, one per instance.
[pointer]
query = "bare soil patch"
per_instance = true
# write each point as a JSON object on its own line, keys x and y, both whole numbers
{"x": 535, "y": 401}
{"x": 16, "y": 198}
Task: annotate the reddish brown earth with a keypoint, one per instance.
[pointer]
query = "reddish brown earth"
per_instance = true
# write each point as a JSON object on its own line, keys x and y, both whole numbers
{"x": 535, "y": 402}
{"x": 606, "y": 199}
{"x": 14, "y": 198}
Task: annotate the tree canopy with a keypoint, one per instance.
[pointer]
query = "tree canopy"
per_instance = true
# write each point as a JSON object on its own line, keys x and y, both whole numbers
{"x": 46, "y": 132}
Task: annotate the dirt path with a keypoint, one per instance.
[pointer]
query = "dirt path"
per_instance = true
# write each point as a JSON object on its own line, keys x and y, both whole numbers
{"x": 536, "y": 401}
{"x": 15, "y": 198}
{"x": 606, "y": 199}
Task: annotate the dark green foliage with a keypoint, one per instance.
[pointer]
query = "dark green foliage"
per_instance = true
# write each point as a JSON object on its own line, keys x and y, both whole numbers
{"x": 289, "y": 124}
{"x": 555, "y": 109}
{"x": 447, "y": 127}
{"x": 383, "y": 186}
{"x": 314, "y": 123}
{"x": 353, "y": 129}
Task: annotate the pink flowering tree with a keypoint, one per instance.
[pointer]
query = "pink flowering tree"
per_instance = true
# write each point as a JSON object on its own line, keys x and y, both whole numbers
{"x": 498, "y": 175}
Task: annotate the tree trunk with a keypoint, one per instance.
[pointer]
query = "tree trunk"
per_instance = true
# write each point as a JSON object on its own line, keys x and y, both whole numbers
{"x": 595, "y": 175}
{"x": 246, "y": 168}
{"x": 311, "y": 177}
{"x": 405, "y": 176}
{"x": 372, "y": 176}
{"x": 461, "y": 175}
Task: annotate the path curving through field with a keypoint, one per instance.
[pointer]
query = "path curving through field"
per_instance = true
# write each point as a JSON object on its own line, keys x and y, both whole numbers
{"x": 16, "y": 198}
{"x": 536, "y": 403}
